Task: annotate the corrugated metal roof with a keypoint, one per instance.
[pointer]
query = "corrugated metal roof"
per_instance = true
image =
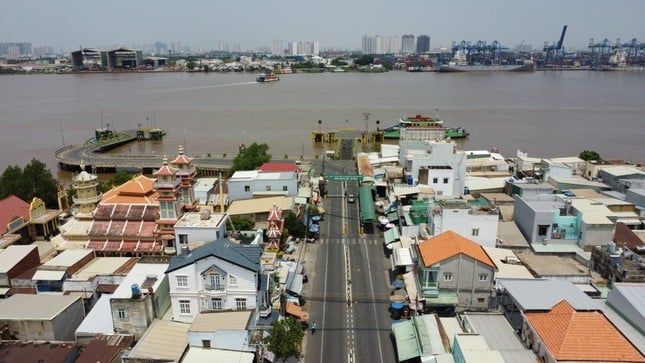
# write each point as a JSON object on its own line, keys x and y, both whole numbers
{"x": 47, "y": 275}
{"x": 259, "y": 205}
{"x": 496, "y": 330}
{"x": 631, "y": 294}
{"x": 10, "y": 256}
{"x": 41, "y": 307}
{"x": 199, "y": 355}
{"x": 164, "y": 340}
{"x": 407, "y": 345}
{"x": 228, "y": 320}
{"x": 69, "y": 257}
{"x": 98, "y": 320}
{"x": 538, "y": 294}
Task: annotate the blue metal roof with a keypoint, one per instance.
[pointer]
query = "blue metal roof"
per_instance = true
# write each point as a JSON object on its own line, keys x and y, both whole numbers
{"x": 244, "y": 256}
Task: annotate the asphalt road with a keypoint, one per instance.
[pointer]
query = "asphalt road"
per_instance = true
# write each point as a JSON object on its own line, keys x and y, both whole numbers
{"x": 348, "y": 294}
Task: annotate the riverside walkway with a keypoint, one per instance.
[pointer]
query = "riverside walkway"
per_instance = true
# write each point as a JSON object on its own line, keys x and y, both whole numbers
{"x": 70, "y": 158}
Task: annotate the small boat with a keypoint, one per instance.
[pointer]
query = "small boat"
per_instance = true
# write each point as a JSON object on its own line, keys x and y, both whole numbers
{"x": 267, "y": 77}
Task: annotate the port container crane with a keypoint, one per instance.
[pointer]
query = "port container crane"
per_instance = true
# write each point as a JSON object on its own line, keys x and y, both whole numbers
{"x": 554, "y": 53}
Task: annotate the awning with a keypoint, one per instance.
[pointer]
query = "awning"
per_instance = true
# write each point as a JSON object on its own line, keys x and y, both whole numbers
{"x": 411, "y": 287}
{"x": 46, "y": 275}
{"x": 407, "y": 343}
{"x": 296, "y": 311}
{"x": 296, "y": 284}
{"x": 391, "y": 235}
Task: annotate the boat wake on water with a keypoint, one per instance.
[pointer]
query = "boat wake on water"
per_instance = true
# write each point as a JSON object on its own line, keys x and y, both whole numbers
{"x": 202, "y": 87}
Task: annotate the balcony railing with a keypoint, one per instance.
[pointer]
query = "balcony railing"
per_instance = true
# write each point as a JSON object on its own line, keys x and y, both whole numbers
{"x": 214, "y": 287}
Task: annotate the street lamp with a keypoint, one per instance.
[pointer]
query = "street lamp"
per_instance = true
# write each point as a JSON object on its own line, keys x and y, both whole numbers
{"x": 377, "y": 123}
{"x": 319, "y": 123}
{"x": 102, "y": 108}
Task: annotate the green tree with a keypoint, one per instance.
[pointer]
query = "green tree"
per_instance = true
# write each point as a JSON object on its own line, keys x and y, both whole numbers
{"x": 41, "y": 183}
{"x": 190, "y": 65}
{"x": 251, "y": 157}
{"x": 285, "y": 338}
{"x": 242, "y": 223}
{"x": 119, "y": 178}
{"x": 589, "y": 155}
{"x": 293, "y": 225}
{"x": 12, "y": 182}
{"x": 364, "y": 60}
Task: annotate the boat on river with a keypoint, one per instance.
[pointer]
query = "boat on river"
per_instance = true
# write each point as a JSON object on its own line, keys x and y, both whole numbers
{"x": 526, "y": 66}
{"x": 267, "y": 77}
{"x": 419, "y": 122}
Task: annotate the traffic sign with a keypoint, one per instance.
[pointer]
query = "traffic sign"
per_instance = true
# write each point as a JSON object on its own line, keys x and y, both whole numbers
{"x": 344, "y": 177}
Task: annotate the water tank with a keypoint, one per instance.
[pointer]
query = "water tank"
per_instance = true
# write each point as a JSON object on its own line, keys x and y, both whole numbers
{"x": 410, "y": 180}
{"x": 136, "y": 293}
{"x": 611, "y": 248}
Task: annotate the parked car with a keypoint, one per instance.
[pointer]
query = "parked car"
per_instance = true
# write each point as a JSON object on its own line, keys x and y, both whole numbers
{"x": 351, "y": 198}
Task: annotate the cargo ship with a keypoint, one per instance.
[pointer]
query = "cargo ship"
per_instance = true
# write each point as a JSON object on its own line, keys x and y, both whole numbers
{"x": 527, "y": 66}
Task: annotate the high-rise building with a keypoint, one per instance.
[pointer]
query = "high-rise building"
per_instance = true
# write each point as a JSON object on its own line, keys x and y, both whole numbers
{"x": 366, "y": 45}
{"x": 423, "y": 44}
{"x": 407, "y": 44}
{"x": 395, "y": 44}
{"x": 278, "y": 48}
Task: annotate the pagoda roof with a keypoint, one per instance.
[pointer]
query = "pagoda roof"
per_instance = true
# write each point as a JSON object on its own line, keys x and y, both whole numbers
{"x": 165, "y": 169}
{"x": 181, "y": 158}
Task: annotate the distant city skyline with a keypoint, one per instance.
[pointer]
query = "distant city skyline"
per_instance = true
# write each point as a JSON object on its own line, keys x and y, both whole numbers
{"x": 333, "y": 24}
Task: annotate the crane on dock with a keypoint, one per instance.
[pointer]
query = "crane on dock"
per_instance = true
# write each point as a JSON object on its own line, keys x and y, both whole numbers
{"x": 554, "y": 53}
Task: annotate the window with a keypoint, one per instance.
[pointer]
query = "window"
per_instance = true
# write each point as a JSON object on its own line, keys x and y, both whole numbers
{"x": 480, "y": 300}
{"x": 268, "y": 188}
{"x": 216, "y": 303}
{"x": 183, "y": 239}
{"x": 184, "y": 306}
{"x": 206, "y": 343}
{"x": 475, "y": 231}
{"x": 232, "y": 280}
{"x": 445, "y": 180}
{"x": 122, "y": 315}
{"x": 447, "y": 276}
{"x": 182, "y": 281}
{"x": 435, "y": 180}
{"x": 247, "y": 188}
{"x": 215, "y": 282}
{"x": 542, "y": 229}
{"x": 284, "y": 188}
{"x": 240, "y": 303}
{"x": 483, "y": 277}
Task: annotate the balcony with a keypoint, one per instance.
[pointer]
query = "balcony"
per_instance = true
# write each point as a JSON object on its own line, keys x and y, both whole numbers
{"x": 214, "y": 287}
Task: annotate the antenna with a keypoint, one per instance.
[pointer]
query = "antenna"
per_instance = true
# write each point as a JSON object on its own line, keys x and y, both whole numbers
{"x": 62, "y": 135}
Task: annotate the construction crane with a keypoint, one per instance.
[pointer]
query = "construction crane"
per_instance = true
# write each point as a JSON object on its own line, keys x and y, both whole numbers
{"x": 555, "y": 51}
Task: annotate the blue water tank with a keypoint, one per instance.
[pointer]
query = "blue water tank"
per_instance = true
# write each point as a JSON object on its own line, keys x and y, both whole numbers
{"x": 410, "y": 180}
{"x": 135, "y": 291}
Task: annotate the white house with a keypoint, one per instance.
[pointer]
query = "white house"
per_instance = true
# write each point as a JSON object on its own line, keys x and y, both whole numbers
{"x": 434, "y": 163}
{"x": 221, "y": 275}
{"x": 477, "y": 223}
{"x": 200, "y": 227}
{"x": 246, "y": 184}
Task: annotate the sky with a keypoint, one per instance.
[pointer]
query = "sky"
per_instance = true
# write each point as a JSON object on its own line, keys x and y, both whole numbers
{"x": 339, "y": 24}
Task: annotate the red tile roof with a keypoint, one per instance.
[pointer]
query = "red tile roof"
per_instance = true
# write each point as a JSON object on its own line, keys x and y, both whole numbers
{"x": 278, "y": 167}
{"x": 572, "y": 335}
{"x": 449, "y": 244}
{"x": 10, "y": 207}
